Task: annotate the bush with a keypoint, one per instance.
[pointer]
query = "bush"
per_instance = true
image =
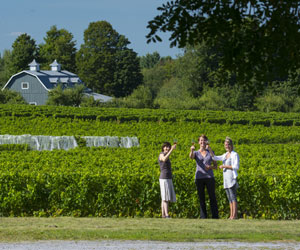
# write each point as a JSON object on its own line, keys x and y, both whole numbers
{"x": 296, "y": 107}
{"x": 140, "y": 98}
{"x": 212, "y": 100}
{"x": 11, "y": 97}
{"x": 66, "y": 97}
{"x": 174, "y": 95}
{"x": 90, "y": 102}
{"x": 271, "y": 102}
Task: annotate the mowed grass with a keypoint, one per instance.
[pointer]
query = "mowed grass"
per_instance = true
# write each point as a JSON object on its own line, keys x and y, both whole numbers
{"x": 69, "y": 228}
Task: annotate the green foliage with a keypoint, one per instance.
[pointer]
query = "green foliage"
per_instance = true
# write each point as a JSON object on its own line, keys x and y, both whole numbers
{"x": 11, "y": 97}
{"x": 199, "y": 71}
{"x": 149, "y": 60}
{"x": 254, "y": 38}
{"x": 14, "y": 147}
{"x": 141, "y": 97}
{"x": 80, "y": 141}
{"x": 4, "y": 67}
{"x": 154, "y": 78}
{"x": 127, "y": 74}
{"x": 105, "y": 63}
{"x": 2, "y": 80}
{"x": 94, "y": 182}
{"x": 174, "y": 95}
{"x": 90, "y": 102}
{"x": 279, "y": 96}
{"x": 66, "y": 97}
{"x": 23, "y": 52}
{"x": 271, "y": 102}
{"x": 296, "y": 107}
{"x": 200, "y": 68}
{"x": 212, "y": 100}
{"x": 58, "y": 45}
{"x": 117, "y": 114}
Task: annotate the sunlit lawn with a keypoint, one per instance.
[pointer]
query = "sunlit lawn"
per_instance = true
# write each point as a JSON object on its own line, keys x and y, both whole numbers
{"x": 69, "y": 228}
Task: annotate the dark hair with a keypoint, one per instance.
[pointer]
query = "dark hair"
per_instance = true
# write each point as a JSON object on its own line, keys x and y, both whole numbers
{"x": 203, "y": 136}
{"x": 165, "y": 144}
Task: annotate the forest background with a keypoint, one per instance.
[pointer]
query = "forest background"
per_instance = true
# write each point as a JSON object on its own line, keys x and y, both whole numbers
{"x": 236, "y": 55}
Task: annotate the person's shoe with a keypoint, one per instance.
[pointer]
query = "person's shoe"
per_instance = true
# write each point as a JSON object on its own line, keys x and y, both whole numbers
{"x": 168, "y": 217}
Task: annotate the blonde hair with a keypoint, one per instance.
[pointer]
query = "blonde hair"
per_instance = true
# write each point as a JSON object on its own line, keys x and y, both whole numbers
{"x": 229, "y": 141}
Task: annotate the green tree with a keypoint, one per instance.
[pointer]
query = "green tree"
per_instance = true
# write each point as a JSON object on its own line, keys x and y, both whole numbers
{"x": 4, "y": 67}
{"x": 1, "y": 71}
{"x": 255, "y": 38}
{"x": 105, "y": 63}
{"x": 154, "y": 78}
{"x": 199, "y": 67}
{"x": 174, "y": 95}
{"x": 149, "y": 60}
{"x": 59, "y": 45}
{"x": 24, "y": 50}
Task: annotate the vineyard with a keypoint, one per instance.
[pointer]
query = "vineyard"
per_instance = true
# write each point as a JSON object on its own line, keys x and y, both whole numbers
{"x": 99, "y": 181}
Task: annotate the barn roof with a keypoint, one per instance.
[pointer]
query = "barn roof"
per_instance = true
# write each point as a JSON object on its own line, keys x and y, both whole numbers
{"x": 51, "y": 78}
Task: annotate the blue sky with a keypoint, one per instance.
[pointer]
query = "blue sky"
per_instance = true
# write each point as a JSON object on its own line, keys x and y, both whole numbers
{"x": 128, "y": 17}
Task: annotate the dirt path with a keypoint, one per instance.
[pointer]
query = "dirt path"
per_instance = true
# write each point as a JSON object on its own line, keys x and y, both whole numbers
{"x": 145, "y": 245}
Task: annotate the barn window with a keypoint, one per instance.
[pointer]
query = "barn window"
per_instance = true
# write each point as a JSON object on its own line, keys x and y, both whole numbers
{"x": 25, "y": 85}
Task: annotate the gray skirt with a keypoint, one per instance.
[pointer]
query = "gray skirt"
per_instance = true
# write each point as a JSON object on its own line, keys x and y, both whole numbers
{"x": 167, "y": 190}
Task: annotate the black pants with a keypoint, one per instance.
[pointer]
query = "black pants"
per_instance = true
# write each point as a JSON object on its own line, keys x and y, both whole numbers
{"x": 210, "y": 186}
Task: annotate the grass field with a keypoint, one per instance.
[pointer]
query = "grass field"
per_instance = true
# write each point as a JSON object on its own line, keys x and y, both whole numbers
{"x": 191, "y": 230}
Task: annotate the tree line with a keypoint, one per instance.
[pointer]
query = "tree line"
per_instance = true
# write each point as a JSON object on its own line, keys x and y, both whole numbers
{"x": 209, "y": 74}
{"x": 104, "y": 61}
{"x": 197, "y": 80}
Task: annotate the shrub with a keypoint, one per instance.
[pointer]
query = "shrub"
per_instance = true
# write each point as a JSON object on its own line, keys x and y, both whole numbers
{"x": 174, "y": 95}
{"x": 212, "y": 100}
{"x": 271, "y": 102}
{"x": 66, "y": 97}
{"x": 140, "y": 98}
{"x": 296, "y": 107}
{"x": 11, "y": 97}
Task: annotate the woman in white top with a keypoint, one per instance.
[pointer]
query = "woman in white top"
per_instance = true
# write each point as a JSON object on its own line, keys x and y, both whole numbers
{"x": 231, "y": 163}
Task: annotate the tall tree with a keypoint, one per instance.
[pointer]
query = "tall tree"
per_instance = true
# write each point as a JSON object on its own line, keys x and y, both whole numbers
{"x": 24, "y": 50}
{"x": 1, "y": 70}
{"x": 155, "y": 77}
{"x": 4, "y": 68}
{"x": 59, "y": 45}
{"x": 105, "y": 63}
{"x": 255, "y": 38}
{"x": 149, "y": 60}
{"x": 200, "y": 67}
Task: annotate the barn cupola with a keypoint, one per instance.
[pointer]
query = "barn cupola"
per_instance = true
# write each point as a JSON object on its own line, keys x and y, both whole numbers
{"x": 55, "y": 66}
{"x": 34, "y": 66}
